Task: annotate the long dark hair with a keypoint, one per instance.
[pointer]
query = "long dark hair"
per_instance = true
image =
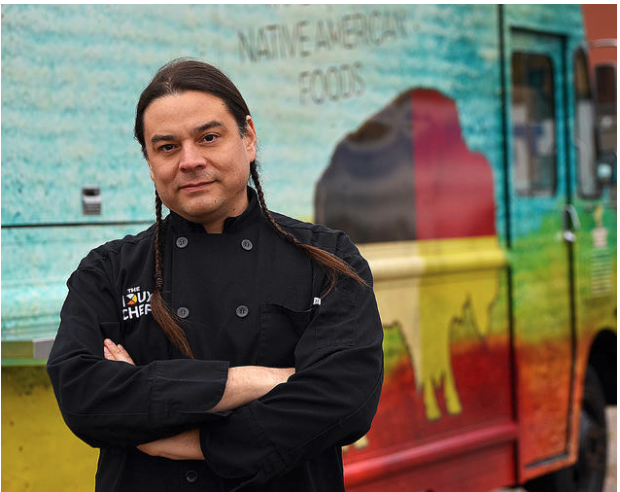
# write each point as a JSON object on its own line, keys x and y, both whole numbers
{"x": 183, "y": 75}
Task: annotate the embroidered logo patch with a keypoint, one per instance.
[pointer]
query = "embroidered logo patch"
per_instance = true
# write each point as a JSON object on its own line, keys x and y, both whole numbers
{"x": 136, "y": 303}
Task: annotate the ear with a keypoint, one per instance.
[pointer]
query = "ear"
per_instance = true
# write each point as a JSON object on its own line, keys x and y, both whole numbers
{"x": 250, "y": 138}
{"x": 151, "y": 170}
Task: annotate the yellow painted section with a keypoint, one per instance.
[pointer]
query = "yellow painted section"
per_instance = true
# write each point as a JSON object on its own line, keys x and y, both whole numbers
{"x": 39, "y": 452}
{"x": 465, "y": 299}
{"x": 408, "y": 259}
{"x": 426, "y": 287}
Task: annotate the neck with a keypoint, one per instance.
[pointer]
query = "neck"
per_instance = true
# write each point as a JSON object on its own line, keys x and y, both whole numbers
{"x": 214, "y": 228}
{"x": 216, "y": 224}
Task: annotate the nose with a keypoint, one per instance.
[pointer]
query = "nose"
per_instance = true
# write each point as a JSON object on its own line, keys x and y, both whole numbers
{"x": 191, "y": 158}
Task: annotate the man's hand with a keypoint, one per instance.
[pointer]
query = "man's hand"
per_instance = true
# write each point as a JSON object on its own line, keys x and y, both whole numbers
{"x": 184, "y": 446}
{"x": 248, "y": 383}
{"x": 111, "y": 351}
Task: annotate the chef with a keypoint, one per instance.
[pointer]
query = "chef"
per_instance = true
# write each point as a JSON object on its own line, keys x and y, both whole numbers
{"x": 227, "y": 347}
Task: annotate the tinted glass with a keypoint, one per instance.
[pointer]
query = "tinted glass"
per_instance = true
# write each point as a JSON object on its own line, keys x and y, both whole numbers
{"x": 585, "y": 128}
{"x": 606, "y": 102}
{"x": 533, "y": 121}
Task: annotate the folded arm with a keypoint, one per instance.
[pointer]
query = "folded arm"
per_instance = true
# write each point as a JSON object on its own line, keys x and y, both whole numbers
{"x": 244, "y": 384}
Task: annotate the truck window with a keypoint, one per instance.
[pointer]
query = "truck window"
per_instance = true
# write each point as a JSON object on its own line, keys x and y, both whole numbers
{"x": 606, "y": 102}
{"x": 533, "y": 120}
{"x": 585, "y": 128}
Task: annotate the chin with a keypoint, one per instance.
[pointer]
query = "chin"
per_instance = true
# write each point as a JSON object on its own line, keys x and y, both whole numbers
{"x": 197, "y": 216}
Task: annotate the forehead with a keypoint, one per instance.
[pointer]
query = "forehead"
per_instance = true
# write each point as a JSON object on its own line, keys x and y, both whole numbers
{"x": 184, "y": 111}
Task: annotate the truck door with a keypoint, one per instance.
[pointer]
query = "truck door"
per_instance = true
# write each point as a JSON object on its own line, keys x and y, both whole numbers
{"x": 540, "y": 246}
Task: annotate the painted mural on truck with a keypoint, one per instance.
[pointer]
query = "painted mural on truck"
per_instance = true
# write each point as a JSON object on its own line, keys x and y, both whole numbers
{"x": 398, "y": 178}
{"x": 449, "y": 141}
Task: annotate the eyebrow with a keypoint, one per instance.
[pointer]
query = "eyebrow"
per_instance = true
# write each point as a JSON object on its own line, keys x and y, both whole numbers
{"x": 198, "y": 129}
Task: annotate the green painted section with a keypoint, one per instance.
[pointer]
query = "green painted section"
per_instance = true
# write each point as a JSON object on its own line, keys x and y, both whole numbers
{"x": 37, "y": 262}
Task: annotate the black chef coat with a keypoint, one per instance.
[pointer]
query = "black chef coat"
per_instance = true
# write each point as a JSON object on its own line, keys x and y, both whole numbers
{"x": 245, "y": 297}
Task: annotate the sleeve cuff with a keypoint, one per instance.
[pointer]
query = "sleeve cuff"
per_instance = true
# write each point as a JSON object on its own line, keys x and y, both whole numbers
{"x": 181, "y": 388}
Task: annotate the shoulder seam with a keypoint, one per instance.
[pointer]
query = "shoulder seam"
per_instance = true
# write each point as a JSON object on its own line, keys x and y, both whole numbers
{"x": 104, "y": 251}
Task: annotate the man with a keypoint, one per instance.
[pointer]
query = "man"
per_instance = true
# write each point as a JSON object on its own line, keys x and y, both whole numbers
{"x": 226, "y": 347}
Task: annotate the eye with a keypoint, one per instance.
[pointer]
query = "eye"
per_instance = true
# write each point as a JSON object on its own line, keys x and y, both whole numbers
{"x": 166, "y": 148}
{"x": 210, "y": 138}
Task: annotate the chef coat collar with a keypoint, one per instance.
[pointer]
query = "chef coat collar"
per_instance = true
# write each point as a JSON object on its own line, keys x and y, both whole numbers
{"x": 251, "y": 212}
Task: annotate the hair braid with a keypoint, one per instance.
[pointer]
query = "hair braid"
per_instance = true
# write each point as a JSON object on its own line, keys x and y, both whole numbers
{"x": 333, "y": 265}
{"x": 162, "y": 313}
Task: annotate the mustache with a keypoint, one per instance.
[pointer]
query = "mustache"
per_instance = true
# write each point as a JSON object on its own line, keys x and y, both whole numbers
{"x": 194, "y": 178}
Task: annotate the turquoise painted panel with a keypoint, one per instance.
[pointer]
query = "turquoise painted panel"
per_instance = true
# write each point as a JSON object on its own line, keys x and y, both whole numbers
{"x": 36, "y": 263}
{"x": 311, "y": 74}
{"x": 559, "y": 19}
{"x": 71, "y": 78}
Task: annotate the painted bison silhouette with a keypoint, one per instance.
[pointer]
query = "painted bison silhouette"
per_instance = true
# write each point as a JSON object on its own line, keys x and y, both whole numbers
{"x": 407, "y": 174}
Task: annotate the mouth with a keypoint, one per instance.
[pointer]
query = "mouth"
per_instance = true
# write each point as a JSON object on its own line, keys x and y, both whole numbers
{"x": 196, "y": 186}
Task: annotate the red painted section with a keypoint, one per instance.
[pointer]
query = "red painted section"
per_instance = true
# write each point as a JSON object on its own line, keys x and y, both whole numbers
{"x": 402, "y": 433}
{"x": 440, "y": 450}
{"x": 453, "y": 186}
{"x": 481, "y": 471}
{"x": 546, "y": 391}
{"x": 600, "y": 22}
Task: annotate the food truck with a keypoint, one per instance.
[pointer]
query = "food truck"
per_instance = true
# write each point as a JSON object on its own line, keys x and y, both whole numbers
{"x": 459, "y": 146}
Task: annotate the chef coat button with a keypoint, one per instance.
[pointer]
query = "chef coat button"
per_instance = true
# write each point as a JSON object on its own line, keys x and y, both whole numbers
{"x": 247, "y": 244}
{"x": 182, "y": 312}
{"x": 242, "y": 311}
{"x": 191, "y": 476}
{"x": 182, "y": 242}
